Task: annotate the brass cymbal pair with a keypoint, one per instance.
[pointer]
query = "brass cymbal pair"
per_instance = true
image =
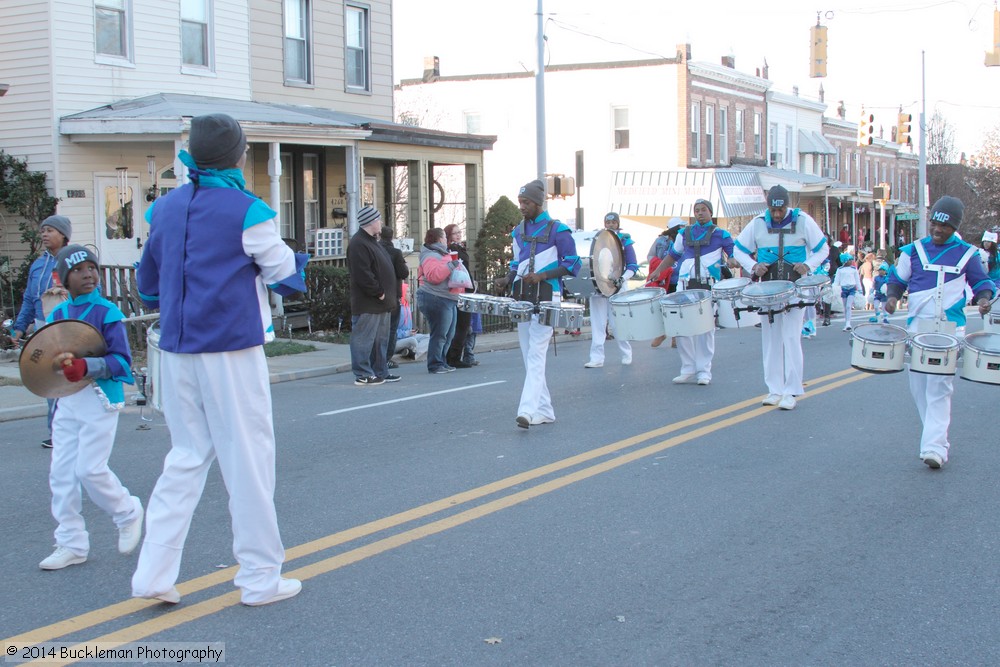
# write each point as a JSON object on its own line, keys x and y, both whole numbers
{"x": 41, "y": 374}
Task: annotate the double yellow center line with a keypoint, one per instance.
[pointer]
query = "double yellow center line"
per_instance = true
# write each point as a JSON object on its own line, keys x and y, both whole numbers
{"x": 699, "y": 426}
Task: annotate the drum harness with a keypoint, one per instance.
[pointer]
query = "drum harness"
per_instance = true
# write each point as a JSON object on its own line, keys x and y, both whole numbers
{"x": 940, "y": 321}
{"x": 696, "y": 244}
{"x": 534, "y": 240}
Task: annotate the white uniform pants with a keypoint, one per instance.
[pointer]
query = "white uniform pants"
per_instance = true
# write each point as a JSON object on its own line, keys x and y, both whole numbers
{"x": 534, "y": 339}
{"x": 599, "y": 317}
{"x": 696, "y": 354}
{"x": 217, "y": 406}
{"x": 932, "y": 394}
{"x": 782, "y": 352}
{"x": 83, "y": 433}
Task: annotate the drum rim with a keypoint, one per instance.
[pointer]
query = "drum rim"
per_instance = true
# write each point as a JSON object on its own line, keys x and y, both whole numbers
{"x": 787, "y": 291}
{"x": 936, "y": 348}
{"x": 666, "y": 298}
{"x": 976, "y": 336}
{"x": 886, "y": 327}
{"x": 624, "y": 297}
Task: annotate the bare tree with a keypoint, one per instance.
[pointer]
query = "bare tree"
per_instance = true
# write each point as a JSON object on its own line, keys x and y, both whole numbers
{"x": 940, "y": 140}
{"x": 986, "y": 180}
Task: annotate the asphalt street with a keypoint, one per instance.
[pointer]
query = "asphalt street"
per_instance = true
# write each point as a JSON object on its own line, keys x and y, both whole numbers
{"x": 652, "y": 524}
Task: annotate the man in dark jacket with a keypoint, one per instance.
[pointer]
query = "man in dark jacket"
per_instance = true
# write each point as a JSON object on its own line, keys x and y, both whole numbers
{"x": 402, "y": 273}
{"x": 373, "y": 295}
{"x": 457, "y": 349}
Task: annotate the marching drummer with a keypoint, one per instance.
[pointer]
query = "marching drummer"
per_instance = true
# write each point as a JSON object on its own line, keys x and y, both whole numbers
{"x": 84, "y": 423}
{"x": 936, "y": 269}
{"x": 700, "y": 248}
{"x": 544, "y": 252}
{"x": 789, "y": 244}
{"x": 599, "y": 302}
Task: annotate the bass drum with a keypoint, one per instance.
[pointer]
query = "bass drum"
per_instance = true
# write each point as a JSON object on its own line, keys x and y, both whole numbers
{"x": 934, "y": 353}
{"x": 981, "y": 358}
{"x": 878, "y": 348}
{"x": 636, "y": 313}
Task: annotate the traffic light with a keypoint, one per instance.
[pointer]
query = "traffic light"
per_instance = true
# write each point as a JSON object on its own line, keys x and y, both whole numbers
{"x": 881, "y": 192}
{"x": 903, "y": 129}
{"x": 866, "y": 129}
{"x": 817, "y": 52}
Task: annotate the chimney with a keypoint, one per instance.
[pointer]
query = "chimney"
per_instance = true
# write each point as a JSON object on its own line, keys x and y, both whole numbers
{"x": 842, "y": 110}
{"x": 729, "y": 61}
{"x": 795, "y": 91}
{"x": 822, "y": 93}
{"x": 683, "y": 52}
{"x": 432, "y": 68}
{"x": 764, "y": 71}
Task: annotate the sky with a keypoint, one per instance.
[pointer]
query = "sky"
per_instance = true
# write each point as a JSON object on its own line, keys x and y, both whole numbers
{"x": 874, "y": 54}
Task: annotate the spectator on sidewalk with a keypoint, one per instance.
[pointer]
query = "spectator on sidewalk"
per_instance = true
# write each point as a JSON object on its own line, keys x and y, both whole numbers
{"x": 402, "y": 273}
{"x": 456, "y": 350}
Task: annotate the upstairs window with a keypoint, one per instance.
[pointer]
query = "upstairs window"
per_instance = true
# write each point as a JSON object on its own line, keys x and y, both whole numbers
{"x": 758, "y": 143}
{"x": 356, "y": 42}
{"x": 724, "y": 135}
{"x": 621, "y": 132}
{"x": 195, "y": 32}
{"x": 111, "y": 22}
{"x": 297, "y": 41}
{"x": 709, "y": 133}
{"x": 695, "y": 132}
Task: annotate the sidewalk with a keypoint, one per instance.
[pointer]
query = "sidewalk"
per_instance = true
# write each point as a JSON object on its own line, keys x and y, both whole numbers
{"x": 16, "y": 402}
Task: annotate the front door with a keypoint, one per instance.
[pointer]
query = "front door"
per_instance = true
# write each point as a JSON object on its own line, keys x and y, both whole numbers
{"x": 121, "y": 225}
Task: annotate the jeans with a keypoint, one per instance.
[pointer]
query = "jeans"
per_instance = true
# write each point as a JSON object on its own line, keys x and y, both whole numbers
{"x": 369, "y": 338}
{"x": 470, "y": 345}
{"x": 441, "y": 314}
{"x": 390, "y": 348}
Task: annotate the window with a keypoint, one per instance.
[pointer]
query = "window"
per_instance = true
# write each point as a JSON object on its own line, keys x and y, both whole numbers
{"x": 297, "y": 47}
{"x": 620, "y": 119}
{"x": 310, "y": 193}
{"x": 287, "y": 223}
{"x": 356, "y": 43}
{"x": 724, "y": 135}
{"x": 709, "y": 133}
{"x": 740, "y": 135}
{"x": 473, "y": 122}
{"x": 772, "y": 143}
{"x": 788, "y": 147}
{"x": 111, "y": 22}
{"x": 195, "y": 32}
{"x": 695, "y": 148}
{"x": 758, "y": 126}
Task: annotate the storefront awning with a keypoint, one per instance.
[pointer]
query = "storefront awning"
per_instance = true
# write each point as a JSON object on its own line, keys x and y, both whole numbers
{"x": 814, "y": 142}
{"x": 668, "y": 194}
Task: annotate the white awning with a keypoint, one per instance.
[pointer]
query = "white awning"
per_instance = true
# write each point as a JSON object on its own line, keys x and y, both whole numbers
{"x": 814, "y": 142}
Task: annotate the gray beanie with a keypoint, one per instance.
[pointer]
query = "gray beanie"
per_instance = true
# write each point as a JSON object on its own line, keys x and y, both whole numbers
{"x": 777, "y": 196}
{"x": 534, "y": 191}
{"x": 368, "y": 215}
{"x": 72, "y": 255}
{"x": 948, "y": 211}
{"x": 217, "y": 141}
{"x": 60, "y": 223}
{"x": 707, "y": 204}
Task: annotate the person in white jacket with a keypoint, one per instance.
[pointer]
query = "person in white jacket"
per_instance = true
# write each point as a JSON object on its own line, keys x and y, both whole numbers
{"x": 849, "y": 281}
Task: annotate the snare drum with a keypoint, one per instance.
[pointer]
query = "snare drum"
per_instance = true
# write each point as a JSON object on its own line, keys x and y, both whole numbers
{"x": 687, "y": 313}
{"x": 991, "y": 323}
{"x": 560, "y": 315}
{"x": 520, "y": 311}
{"x": 878, "y": 348}
{"x": 768, "y": 295}
{"x": 154, "y": 379}
{"x": 473, "y": 302}
{"x": 981, "y": 357}
{"x": 498, "y": 305}
{"x": 934, "y": 353}
{"x": 637, "y": 313}
{"x": 810, "y": 288}
{"x": 729, "y": 289}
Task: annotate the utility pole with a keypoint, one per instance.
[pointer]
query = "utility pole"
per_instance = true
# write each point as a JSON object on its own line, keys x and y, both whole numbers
{"x": 922, "y": 163}
{"x": 540, "y": 95}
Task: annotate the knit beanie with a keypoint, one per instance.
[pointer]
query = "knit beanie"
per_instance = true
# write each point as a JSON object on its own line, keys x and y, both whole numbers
{"x": 947, "y": 211}
{"x": 217, "y": 141}
{"x": 368, "y": 215}
{"x": 534, "y": 191}
{"x": 706, "y": 203}
{"x": 72, "y": 255}
{"x": 60, "y": 223}
{"x": 777, "y": 196}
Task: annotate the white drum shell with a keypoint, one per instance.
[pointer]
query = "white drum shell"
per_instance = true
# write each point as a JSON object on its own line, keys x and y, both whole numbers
{"x": 875, "y": 354}
{"x": 810, "y": 288}
{"x": 154, "y": 379}
{"x": 560, "y": 315}
{"x": 991, "y": 323}
{"x": 637, "y": 314}
{"x": 473, "y": 303}
{"x": 729, "y": 289}
{"x": 498, "y": 305}
{"x": 934, "y": 354}
{"x": 520, "y": 311}
{"x": 691, "y": 318}
{"x": 978, "y": 363}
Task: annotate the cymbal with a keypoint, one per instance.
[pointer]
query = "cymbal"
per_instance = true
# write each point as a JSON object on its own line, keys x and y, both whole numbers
{"x": 607, "y": 261}
{"x": 39, "y": 371}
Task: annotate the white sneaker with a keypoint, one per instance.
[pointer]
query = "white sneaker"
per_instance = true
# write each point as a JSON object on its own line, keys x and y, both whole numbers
{"x": 128, "y": 536}
{"x": 173, "y": 596}
{"x": 932, "y": 460}
{"x": 523, "y": 421}
{"x": 704, "y": 380}
{"x": 772, "y": 399}
{"x": 60, "y": 558}
{"x": 684, "y": 379}
{"x": 787, "y": 402}
{"x": 594, "y": 364}
{"x": 627, "y": 361}
{"x": 287, "y": 588}
{"x": 541, "y": 419}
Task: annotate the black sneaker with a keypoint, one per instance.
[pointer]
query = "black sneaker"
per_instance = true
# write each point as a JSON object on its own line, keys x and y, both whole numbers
{"x": 47, "y": 443}
{"x": 392, "y": 364}
{"x": 364, "y": 381}
{"x": 390, "y": 378}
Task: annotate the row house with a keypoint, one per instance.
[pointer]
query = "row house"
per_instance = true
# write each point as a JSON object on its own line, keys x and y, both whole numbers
{"x": 102, "y": 92}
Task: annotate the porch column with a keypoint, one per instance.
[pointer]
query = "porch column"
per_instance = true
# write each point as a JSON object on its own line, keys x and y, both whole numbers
{"x": 417, "y": 197}
{"x": 474, "y": 205}
{"x": 180, "y": 171}
{"x": 352, "y": 167}
{"x": 274, "y": 175}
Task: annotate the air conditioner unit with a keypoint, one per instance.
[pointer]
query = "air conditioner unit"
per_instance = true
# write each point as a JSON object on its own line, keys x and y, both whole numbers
{"x": 741, "y": 148}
